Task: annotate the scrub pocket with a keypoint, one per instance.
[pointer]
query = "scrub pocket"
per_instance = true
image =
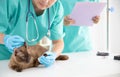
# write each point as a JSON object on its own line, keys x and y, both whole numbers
{"x": 4, "y": 53}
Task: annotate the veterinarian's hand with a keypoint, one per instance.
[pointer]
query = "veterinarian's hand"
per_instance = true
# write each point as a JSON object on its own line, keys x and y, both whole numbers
{"x": 47, "y": 60}
{"x": 68, "y": 21}
{"x": 12, "y": 42}
{"x": 96, "y": 19}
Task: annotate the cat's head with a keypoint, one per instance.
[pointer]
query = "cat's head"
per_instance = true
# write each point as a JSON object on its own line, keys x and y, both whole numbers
{"x": 20, "y": 58}
{"x": 21, "y": 55}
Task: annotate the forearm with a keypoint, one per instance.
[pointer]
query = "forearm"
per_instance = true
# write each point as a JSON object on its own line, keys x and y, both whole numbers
{"x": 1, "y": 38}
{"x": 58, "y": 46}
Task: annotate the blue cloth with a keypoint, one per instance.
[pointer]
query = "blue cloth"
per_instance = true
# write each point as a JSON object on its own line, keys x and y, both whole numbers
{"x": 76, "y": 38}
{"x": 12, "y": 42}
{"x": 4, "y": 52}
{"x": 47, "y": 60}
{"x": 13, "y": 21}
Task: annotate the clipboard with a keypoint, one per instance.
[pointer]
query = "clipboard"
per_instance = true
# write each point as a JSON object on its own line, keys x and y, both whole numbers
{"x": 83, "y": 12}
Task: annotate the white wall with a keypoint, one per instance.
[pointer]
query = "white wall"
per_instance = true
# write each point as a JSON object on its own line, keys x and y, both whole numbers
{"x": 99, "y": 31}
{"x": 114, "y": 26}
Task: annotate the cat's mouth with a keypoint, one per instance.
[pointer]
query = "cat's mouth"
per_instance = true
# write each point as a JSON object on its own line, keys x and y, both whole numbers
{"x": 25, "y": 59}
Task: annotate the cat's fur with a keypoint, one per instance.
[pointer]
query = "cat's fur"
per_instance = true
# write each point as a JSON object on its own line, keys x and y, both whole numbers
{"x": 27, "y": 56}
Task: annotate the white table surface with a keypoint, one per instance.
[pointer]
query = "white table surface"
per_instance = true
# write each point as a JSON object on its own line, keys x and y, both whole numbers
{"x": 82, "y": 64}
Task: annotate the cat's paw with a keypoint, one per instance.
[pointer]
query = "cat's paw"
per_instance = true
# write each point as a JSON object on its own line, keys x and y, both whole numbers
{"x": 16, "y": 68}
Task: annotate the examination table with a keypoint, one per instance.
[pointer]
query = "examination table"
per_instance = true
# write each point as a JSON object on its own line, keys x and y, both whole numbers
{"x": 81, "y": 64}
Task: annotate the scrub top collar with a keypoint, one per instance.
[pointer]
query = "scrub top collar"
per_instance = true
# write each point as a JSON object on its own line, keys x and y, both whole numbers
{"x": 33, "y": 10}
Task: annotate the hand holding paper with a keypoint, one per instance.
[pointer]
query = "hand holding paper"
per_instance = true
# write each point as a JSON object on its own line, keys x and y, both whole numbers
{"x": 96, "y": 19}
{"x": 83, "y": 13}
{"x": 68, "y": 21}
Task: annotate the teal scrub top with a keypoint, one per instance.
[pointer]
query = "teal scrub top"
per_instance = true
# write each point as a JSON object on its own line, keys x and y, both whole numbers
{"x": 13, "y": 22}
{"x": 76, "y": 38}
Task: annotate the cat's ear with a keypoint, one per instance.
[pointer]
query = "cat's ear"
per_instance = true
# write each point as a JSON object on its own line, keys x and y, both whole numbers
{"x": 25, "y": 44}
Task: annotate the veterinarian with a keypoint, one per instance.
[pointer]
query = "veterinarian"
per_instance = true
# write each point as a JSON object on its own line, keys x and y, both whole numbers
{"x": 76, "y": 37}
{"x": 29, "y": 21}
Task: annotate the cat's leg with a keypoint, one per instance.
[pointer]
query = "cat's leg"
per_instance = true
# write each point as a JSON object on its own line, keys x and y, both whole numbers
{"x": 36, "y": 63}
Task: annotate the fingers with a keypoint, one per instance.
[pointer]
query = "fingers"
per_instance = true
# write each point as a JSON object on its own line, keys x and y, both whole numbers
{"x": 18, "y": 38}
{"x": 47, "y": 61}
{"x": 96, "y": 19}
{"x": 68, "y": 21}
{"x": 12, "y": 42}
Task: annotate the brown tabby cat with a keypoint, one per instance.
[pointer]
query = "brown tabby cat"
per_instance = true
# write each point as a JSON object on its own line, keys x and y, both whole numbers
{"x": 26, "y": 57}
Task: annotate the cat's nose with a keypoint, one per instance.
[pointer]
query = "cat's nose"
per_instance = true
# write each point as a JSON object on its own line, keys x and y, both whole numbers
{"x": 45, "y": 55}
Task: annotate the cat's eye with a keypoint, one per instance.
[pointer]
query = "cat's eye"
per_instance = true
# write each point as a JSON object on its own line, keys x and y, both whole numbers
{"x": 21, "y": 51}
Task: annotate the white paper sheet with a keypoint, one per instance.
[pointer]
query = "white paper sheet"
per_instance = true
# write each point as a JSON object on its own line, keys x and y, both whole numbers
{"x": 83, "y": 12}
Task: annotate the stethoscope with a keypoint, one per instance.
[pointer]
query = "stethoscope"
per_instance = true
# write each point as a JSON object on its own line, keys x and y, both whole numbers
{"x": 30, "y": 15}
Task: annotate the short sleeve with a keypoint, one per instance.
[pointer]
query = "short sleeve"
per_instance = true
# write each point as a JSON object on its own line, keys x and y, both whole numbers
{"x": 94, "y": 0}
{"x": 57, "y": 25}
{"x": 88, "y": 0}
{"x": 8, "y": 12}
{"x": 3, "y": 16}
